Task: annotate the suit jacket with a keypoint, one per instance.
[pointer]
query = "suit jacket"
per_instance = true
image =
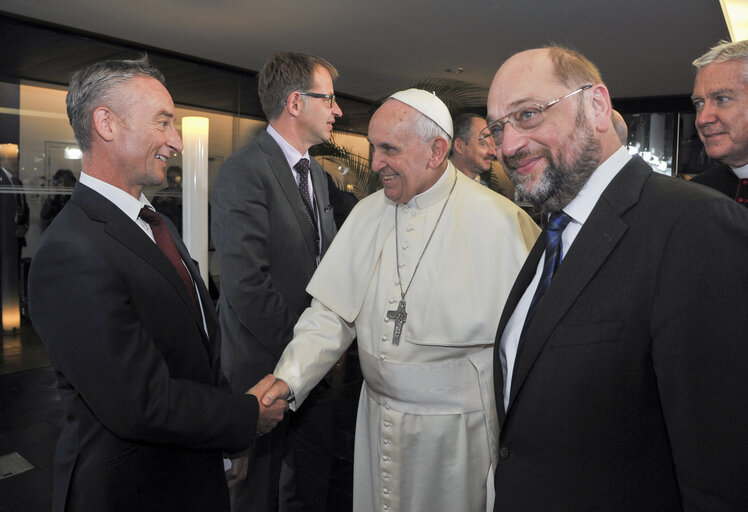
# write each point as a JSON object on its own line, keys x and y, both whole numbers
{"x": 148, "y": 412}
{"x": 720, "y": 177}
{"x": 266, "y": 253}
{"x": 629, "y": 389}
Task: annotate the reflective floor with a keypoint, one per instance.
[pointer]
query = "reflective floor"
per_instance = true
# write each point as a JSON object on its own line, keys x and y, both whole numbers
{"x": 31, "y": 419}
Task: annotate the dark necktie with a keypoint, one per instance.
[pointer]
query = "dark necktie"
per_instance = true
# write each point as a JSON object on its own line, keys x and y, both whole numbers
{"x": 302, "y": 167}
{"x": 166, "y": 244}
{"x": 553, "y": 255}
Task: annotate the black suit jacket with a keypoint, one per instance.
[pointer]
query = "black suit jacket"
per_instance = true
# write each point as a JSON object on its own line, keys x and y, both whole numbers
{"x": 629, "y": 391}
{"x": 266, "y": 254}
{"x": 148, "y": 412}
{"x": 721, "y": 177}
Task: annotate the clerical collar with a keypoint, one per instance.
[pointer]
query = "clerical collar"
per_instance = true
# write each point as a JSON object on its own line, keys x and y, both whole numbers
{"x": 436, "y": 193}
{"x": 581, "y": 206}
{"x": 740, "y": 172}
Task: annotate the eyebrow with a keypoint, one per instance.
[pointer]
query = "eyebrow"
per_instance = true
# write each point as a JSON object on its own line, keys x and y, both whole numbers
{"x": 514, "y": 106}
{"x": 712, "y": 94}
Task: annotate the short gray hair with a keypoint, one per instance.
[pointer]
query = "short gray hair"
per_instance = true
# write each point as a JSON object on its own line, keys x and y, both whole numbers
{"x": 96, "y": 86}
{"x": 725, "y": 51}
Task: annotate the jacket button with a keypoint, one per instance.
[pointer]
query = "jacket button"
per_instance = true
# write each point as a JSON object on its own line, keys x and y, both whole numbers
{"x": 504, "y": 452}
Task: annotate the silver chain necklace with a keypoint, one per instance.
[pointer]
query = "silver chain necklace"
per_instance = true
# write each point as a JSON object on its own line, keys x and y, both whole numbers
{"x": 399, "y": 315}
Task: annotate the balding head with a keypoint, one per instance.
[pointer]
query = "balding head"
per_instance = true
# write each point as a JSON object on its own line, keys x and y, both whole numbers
{"x": 555, "y": 113}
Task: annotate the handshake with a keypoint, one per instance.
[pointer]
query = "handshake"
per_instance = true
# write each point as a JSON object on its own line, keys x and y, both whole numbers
{"x": 271, "y": 394}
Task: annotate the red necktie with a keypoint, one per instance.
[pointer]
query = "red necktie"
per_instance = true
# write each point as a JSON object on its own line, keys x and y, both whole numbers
{"x": 166, "y": 244}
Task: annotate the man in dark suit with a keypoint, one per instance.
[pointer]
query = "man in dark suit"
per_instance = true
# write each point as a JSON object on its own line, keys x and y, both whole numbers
{"x": 128, "y": 324}
{"x": 621, "y": 385}
{"x": 272, "y": 222}
{"x": 720, "y": 96}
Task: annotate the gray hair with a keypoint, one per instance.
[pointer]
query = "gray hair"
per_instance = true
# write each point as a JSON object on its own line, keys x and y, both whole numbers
{"x": 285, "y": 73}
{"x": 725, "y": 51}
{"x": 97, "y": 86}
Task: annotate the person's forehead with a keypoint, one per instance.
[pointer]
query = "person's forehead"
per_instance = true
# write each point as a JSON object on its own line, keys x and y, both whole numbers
{"x": 525, "y": 77}
{"x": 392, "y": 118}
{"x": 721, "y": 74}
{"x": 478, "y": 123}
{"x": 321, "y": 77}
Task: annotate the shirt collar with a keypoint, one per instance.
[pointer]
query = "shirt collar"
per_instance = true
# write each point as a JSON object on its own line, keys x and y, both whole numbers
{"x": 581, "y": 206}
{"x": 292, "y": 156}
{"x": 740, "y": 172}
{"x": 124, "y": 201}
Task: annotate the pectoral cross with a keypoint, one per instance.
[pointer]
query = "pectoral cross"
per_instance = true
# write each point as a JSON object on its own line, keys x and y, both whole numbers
{"x": 399, "y": 317}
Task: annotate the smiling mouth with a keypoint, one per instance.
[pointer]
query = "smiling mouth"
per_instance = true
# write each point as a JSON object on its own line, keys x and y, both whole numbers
{"x": 388, "y": 177}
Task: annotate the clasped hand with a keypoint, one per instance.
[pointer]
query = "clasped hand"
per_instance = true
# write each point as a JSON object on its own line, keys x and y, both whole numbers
{"x": 271, "y": 411}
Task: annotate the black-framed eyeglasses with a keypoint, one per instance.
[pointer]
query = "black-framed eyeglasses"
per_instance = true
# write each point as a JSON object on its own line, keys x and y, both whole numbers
{"x": 329, "y": 97}
{"x": 523, "y": 119}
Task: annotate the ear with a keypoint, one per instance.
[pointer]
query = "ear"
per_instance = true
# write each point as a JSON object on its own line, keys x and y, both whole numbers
{"x": 105, "y": 124}
{"x": 601, "y": 108}
{"x": 438, "y": 152}
{"x": 458, "y": 145}
{"x": 294, "y": 104}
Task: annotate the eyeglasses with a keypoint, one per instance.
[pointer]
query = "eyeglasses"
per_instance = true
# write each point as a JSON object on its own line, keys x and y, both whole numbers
{"x": 485, "y": 140}
{"x": 523, "y": 119}
{"x": 329, "y": 97}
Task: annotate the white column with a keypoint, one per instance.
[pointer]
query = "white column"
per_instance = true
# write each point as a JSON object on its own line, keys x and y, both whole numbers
{"x": 195, "y": 190}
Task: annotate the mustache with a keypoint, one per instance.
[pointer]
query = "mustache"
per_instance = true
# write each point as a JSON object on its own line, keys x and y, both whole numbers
{"x": 512, "y": 162}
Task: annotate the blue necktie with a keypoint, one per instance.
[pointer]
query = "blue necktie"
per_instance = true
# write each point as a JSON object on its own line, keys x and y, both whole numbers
{"x": 553, "y": 255}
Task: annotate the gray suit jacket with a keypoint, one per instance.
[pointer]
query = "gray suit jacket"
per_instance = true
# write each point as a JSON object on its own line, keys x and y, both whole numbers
{"x": 266, "y": 254}
{"x": 629, "y": 389}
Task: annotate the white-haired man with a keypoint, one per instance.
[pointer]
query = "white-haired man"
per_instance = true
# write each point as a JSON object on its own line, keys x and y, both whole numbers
{"x": 421, "y": 288}
{"x": 720, "y": 96}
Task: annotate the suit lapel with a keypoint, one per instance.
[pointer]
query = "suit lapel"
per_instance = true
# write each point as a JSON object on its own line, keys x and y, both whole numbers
{"x": 279, "y": 165}
{"x": 518, "y": 289}
{"x": 126, "y": 232}
{"x": 593, "y": 245}
{"x": 322, "y": 204}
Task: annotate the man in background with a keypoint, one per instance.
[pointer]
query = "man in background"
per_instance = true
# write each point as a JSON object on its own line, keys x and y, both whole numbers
{"x": 720, "y": 96}
{"x": 272, "y": 222}
{"x": 168, "y": 201}
{"x": 471, "y": 154}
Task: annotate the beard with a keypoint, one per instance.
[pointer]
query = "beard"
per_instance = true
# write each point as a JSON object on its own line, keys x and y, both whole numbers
{"x": 562, "y": 178}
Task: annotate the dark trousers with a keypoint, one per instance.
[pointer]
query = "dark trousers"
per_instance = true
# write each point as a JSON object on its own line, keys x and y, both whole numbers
{"x": 289, "y": 468}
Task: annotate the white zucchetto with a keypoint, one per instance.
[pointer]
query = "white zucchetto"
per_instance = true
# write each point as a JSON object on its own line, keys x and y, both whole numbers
{"x": 429, "y": 105}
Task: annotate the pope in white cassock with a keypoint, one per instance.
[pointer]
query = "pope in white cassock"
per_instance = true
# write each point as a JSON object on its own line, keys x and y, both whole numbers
{"x": 419, "y": 273}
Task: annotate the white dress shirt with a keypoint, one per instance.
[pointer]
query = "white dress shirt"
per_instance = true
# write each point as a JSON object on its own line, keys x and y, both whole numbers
{"x": 131, "y": 207}
{"x": 293, "y": 157}
{"x": 579, "y": 210}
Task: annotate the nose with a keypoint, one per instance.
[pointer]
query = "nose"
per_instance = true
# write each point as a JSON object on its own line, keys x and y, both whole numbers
{"x": 377, "y": 163}
{"x": 705, "y": 115}
{"x": 336, "y": 110}
{"x": 174, "y": 141}
{"x": 513, "y": 140}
